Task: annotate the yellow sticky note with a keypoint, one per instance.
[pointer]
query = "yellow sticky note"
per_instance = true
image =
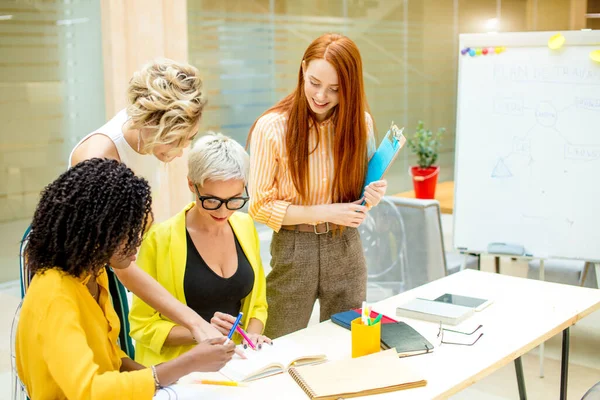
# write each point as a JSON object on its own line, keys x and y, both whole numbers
{"x": 595, "y": 55}
{"x": 556, "y": 41}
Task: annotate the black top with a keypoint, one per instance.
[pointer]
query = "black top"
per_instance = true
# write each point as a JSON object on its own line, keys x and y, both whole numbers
{"x": 206, "y": 292}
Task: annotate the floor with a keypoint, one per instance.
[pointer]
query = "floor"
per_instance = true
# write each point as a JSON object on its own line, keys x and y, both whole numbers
{"x": 584, "y": 367}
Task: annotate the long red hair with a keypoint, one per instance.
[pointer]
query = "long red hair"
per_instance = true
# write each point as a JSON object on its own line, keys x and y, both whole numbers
{"x": 350, "y": 142}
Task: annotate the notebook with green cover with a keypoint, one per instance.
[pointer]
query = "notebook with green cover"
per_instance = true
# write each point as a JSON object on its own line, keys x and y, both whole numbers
{"x": 406, "y": 340}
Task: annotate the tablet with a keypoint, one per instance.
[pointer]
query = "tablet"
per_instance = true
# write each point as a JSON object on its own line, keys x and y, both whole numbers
{"x": 465, "y": 301}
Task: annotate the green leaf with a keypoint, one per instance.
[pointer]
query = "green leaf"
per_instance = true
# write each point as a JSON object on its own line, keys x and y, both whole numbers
{"x": 425, "y": 144}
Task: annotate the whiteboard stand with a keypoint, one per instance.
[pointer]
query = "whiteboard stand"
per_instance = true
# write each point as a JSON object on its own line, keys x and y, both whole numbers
{"x": 463, "y": 266}
{"x": 542, "y": 345}
{"x": 585, "y": 272}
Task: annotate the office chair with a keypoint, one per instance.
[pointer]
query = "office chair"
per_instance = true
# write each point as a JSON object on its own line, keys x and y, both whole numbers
{"x": 593, "y": 393}
{"x": 19, "y": 392}
{"x": 384, "y": 242}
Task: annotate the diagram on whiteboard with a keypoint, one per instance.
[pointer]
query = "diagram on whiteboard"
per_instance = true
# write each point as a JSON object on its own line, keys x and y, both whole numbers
{"x": 546, "y": 115}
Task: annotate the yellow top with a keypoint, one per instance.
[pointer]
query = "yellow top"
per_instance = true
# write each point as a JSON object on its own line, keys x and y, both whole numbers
{"x": 66, "y": 344}
{"x": 163, "y": 256}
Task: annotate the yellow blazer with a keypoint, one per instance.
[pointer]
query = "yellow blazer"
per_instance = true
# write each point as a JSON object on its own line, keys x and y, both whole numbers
{"x": 163, "y": 255}
{"x": 66, "y": 344}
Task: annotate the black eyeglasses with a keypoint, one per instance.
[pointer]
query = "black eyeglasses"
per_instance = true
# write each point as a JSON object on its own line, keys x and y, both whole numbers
{"x": 440, "y": 335}
{"x": 212, "y": 203}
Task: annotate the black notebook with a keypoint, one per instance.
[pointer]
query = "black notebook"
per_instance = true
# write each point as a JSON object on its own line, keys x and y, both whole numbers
{"x": 406, "y": 340}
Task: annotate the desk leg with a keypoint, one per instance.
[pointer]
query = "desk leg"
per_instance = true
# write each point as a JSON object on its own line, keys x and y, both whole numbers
{"x": 520, "y": 379}
{"x": 564, "y": 367}
{"x": 497, "y": 263}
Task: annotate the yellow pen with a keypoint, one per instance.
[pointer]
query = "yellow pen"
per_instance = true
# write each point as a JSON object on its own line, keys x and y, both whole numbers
{"x": 221, "y": 383}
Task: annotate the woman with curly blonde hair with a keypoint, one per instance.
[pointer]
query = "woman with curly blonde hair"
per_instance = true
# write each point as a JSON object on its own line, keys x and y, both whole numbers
{"x": 166, "y": 101}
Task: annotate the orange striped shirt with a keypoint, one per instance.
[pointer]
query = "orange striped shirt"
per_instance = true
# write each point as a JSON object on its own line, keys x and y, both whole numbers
{"x": 271, "y": 186}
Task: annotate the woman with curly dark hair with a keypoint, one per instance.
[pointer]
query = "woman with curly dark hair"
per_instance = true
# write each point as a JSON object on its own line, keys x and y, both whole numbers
{"x": 66, "y": 347}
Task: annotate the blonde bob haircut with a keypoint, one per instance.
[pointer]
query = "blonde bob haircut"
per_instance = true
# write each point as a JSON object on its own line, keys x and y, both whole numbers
{"x": 217, "y": 157}
{"x": 165, "y": 97}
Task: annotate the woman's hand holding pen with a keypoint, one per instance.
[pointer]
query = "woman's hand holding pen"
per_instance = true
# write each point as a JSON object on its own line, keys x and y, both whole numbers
{"x": 222, "y": 322}
{"x": 374, "y": 192}
{"x": 212, "y": 354}
{"x": 256, "y": 339}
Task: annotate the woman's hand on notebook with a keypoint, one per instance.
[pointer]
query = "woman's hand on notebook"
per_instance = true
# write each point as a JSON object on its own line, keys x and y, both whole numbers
{"x": 374, "y": 192}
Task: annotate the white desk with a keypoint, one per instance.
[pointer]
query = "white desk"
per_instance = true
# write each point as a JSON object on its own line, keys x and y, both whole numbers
{"x": 525, "y": 313}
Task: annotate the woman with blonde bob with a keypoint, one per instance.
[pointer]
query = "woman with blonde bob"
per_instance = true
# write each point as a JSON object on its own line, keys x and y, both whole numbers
{"x": 207, "y": 256}
{"x": 309, "y": 155}
{"x": 165, "y": 103}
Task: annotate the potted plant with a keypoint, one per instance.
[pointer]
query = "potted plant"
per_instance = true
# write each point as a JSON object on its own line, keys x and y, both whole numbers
{"x": 425, "y": 144}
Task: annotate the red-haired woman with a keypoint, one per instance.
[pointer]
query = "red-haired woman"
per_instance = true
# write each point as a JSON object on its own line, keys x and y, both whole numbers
{"x": 309, "y": 155}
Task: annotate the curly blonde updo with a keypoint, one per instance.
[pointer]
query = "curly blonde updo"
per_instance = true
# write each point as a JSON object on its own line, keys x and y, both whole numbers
{"x": 165, "y": 97}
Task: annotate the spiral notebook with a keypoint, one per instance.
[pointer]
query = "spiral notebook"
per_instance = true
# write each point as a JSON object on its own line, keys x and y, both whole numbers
{"x": 381, "y": 372}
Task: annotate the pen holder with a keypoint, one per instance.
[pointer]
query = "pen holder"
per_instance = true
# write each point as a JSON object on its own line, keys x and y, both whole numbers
{"x": 365, "y": 339}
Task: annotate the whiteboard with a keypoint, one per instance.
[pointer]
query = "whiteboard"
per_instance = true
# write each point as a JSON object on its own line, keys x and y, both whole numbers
{"x": 527, "y": 167}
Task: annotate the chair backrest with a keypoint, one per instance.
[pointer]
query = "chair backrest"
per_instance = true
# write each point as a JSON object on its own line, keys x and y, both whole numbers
{"x": 384, "y": 243}
{"x": 424, "y": 240}
{"x": 118, "y": 294}
{"x": 19, "y": 392}
{"x": 593, "y": 393}
{"x": 24, "y": 272}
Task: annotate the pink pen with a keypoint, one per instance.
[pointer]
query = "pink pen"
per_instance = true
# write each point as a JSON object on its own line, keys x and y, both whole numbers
{"x": 241, "y": 332}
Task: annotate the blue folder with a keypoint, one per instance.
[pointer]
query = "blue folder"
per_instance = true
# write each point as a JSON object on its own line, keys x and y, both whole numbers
{"x": 385, "y": 155}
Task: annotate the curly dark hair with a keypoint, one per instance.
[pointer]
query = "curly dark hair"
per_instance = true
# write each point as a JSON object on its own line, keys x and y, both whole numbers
{"x": 90, "y": 212}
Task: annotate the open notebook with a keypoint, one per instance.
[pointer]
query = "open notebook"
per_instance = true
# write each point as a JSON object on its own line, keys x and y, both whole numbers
{"x": 373, "y": 374}
{"x": 270, "y": 360}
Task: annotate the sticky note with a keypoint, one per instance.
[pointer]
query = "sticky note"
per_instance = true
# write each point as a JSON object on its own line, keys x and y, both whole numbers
{"x": 595, "y": 55}
{"x": 556, "y": 41}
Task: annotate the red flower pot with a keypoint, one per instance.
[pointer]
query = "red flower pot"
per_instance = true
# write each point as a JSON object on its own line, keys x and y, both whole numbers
{"x": 424, "y": 181}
